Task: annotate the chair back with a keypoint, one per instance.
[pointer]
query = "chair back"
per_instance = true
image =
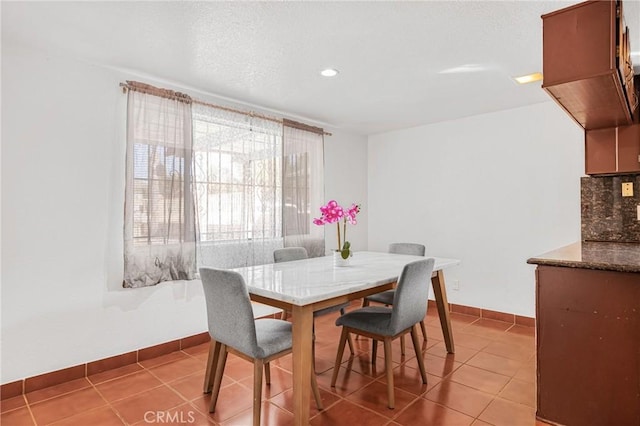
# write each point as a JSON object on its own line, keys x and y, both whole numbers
{"x": 412, "y": 292}
{"x": 289, "y": 254}
{"x": 407, "y": 248}
{"x": 229, "y": 311}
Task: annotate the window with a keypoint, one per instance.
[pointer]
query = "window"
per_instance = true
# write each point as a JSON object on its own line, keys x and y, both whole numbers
{"x": 210, "y": 186}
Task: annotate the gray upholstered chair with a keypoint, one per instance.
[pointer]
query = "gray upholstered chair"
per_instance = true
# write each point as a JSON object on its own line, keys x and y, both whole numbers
{"x": 233, "y": 329}
{"x": 386, "y": 297}
{"x": 386, "y": 324}
{"x": 289, "y": 254}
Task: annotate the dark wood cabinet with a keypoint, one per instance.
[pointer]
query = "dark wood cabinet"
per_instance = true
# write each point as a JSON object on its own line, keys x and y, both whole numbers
{"x": 588, "y": 346}
{"x": 582, "y": 68}
{"x": 629, "y": 149}
{"x": 613, "y": 150}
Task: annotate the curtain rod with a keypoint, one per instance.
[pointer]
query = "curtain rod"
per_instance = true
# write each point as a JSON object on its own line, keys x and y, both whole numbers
{"x": 170, "y": 94}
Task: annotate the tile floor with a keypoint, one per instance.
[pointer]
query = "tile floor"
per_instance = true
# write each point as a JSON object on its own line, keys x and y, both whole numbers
{"x": 490, "y": 380}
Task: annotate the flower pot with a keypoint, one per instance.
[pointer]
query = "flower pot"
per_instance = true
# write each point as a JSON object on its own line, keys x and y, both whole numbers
{"x": 339, "y": 261}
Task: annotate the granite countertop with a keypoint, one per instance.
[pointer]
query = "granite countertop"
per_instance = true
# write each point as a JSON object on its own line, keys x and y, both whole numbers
{"x": 622, "y": 257}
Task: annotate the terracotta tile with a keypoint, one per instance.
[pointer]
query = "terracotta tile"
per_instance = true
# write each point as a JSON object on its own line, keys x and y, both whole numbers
{"x": 480, "y": 379}
{"x": 347, "y": 382}
{"x": 13, "y": 403}
{"x": 477, "y": 422}
{"x": 196, "y": 350}
{"x": 462, "y": 319}
{"x": 488, "y": 328}
{"x": 232, "y": 400}
{"x": 346, "y": 413}
{"x": 54, "y": 378}
{"x": 527, "y": 373}
{"x": 374, "y": 397}
{"x": 281, "y": 380}
{"x": 498, "y": 316}
{"x": 126, "y": 386}
{"x": 495, "y": 363}
{"x": 470, "y": 340}
{"x": 158, "y": 350}
{"x": 409, "y": 380}
{"x": 181, "y": 415}
{"x": 459, "y": 397}
{"x": 434, "y": 332}
{"x": 159, "y": 399}
{"x": 435, "y": 365}
{"x": 515, "y": 351}
{"x": 192, "y": 387}
{"x": 270, "y": 414}
{"x": 111, "y": 363}
{"x": 284, "y": 400}
{"x": 238, "y": 369}
{"x": 67, "y": 405}
{"x": 20, "y": 417}
{"x": 103, "y": 416}
{"x": 115, "y": 373}
{"x": 195, "y": 340}
{"x": 362, "y": 364}
{"x": 162, "y": 359}
{"x": 523, "y": 330}
{"x": 424, "y": 412}
{"x": 57, "y": 390}
{"x": 462, "y": 353}
{"x": 11, "y": 390}
{"x": 466, "y": 310}
{"x": 505, "y": 413}
{"x": 520, "y": 392}
{"x": 525, "y": 321}
{"x": 178, "y": 369}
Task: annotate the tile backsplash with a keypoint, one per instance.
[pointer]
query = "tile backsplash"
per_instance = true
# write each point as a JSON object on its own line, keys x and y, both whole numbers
{"x": 606, "y": 214}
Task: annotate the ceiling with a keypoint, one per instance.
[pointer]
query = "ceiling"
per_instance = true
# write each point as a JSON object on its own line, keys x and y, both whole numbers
{"x": 395, "y": 58}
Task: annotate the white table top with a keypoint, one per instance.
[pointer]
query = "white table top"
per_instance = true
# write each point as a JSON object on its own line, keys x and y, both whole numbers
{"x": 302, "y": 282}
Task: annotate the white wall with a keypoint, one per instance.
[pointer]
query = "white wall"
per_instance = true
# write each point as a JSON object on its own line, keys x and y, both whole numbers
{"x": 491, "y": 190}
{"x": 62, "y": 217}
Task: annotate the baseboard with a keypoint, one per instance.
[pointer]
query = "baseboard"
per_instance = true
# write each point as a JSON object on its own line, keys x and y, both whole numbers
{"x": 30, "y": 384}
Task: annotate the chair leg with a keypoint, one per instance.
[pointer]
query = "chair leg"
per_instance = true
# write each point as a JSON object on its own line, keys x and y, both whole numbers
{"x": 267, "y": 373}
{"x": 316, "y": 391}
{"x": 374, "y": 351}
{"x": 402, "y": 349}
{"x": 416, "y": 347}
{"x": 336, "y": 368}
{"x": 365, "y": 302}
{"x": 258, "y": 365}
{"x": 283, "y": 315}
{"x": 212, "y": 363}
{"x": 222, "y": 361}
{"x": 388, "y": 365}
{"x": 424, "y": 330}
{"x": 351, "y": 347}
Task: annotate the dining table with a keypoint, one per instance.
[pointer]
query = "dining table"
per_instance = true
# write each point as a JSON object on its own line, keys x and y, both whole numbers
{"x": 304, "y": 286}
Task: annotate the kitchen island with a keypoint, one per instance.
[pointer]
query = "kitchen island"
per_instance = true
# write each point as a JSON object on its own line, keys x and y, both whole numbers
{"x": 588, "y": 334}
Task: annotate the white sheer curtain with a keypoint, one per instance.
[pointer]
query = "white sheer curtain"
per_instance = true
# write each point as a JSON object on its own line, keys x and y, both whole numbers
{"x": 238, "y": 183}
{"x": 159, "y": 231}
{"x": 303, "y": 186}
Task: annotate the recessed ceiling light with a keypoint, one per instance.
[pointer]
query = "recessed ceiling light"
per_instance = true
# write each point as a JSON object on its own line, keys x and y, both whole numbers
{"x": 329, "y": 72}
{"x": 529, "y": 78}
{"x": 466, "y": 68}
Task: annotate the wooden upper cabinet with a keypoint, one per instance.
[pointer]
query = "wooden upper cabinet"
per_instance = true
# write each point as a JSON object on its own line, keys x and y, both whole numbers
{"x": 600, "y": 151}
{"x": 614, "y": 150}
{"x": 580, "y": 67}
{"x": 629, "y": 149}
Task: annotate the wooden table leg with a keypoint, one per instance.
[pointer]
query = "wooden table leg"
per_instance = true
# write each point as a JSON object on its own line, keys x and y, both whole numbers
{"x": 302, "y": 335}
{"x": 440, "y": 293}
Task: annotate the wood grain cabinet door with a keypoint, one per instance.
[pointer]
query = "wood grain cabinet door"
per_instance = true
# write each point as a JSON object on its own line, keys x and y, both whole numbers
{"x": 600, "y": 151}
{"x": 629, "y": 148}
